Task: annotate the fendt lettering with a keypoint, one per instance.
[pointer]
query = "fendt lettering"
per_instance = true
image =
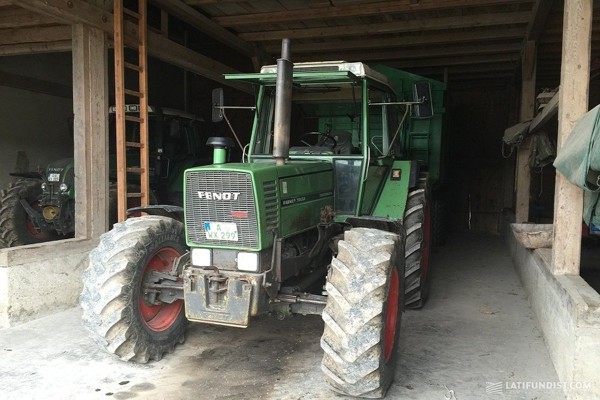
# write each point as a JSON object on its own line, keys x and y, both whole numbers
{"x": 219, "y": 195}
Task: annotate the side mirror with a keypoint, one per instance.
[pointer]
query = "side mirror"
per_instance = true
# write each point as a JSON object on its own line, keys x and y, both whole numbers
{"x": 217, "y": 104}
{"x": 422, "y": 94}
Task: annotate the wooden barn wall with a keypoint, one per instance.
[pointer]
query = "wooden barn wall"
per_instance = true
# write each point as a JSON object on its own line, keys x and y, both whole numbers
{"x": 479, "y": 179}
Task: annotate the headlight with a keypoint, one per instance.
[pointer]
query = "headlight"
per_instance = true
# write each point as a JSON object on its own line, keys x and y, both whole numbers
{"x": 63, "y": 187}
{"x": 201, "y": 257}
{"x": 247, "y": 262}
{"x": 44, "y": 186}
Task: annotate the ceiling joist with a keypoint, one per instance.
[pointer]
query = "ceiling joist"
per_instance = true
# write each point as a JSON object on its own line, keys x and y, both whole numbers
{"x": 353, "y": 10}
{"x": 79, "y": 11}
{"x": 444, "y": 23}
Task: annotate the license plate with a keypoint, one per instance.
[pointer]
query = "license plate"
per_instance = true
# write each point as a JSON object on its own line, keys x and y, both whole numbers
{"x": 221, "y": 231}
{"x": 53, "y": 177}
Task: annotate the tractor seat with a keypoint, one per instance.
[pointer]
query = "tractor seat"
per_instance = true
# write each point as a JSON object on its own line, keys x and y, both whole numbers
{"x": 344, "y": 142}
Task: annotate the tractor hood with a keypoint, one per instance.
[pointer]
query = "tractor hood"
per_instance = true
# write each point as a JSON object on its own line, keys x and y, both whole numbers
{"x": 250, "y": 204}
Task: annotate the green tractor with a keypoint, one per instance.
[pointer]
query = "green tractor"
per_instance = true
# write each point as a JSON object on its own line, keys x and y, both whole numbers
{"x": 40, "y": 206}
{"x": 338, "y": 224}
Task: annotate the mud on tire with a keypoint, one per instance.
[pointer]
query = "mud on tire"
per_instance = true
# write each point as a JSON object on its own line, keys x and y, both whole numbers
{"x": 16, "y": 228}
{"x": 363, "y": 312}
{"x": 114, "y": 311}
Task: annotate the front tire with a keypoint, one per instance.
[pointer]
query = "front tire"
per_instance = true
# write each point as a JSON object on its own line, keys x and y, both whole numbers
{"x": 115, "y": 308}
{"x": 363, "y": 312}
{"x": 16, "y": 227}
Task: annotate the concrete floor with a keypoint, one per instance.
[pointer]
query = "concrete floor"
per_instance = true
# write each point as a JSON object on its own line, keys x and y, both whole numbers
{"x": 477, "y": 329}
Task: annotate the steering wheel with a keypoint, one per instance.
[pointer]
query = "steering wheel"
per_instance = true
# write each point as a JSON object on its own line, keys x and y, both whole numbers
{"x": 322, "y": 140}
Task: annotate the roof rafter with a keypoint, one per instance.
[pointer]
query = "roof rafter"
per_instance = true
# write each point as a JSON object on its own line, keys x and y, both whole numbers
{"x": 354, "y": 10}
{"x": 470, "y": 21}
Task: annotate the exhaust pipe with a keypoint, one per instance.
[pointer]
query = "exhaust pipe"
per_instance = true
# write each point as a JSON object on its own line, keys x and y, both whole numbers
{"x": 283, "y": 104}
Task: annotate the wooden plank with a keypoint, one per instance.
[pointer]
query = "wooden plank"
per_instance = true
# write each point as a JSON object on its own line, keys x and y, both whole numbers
{"x": 18, "y": 18}
{"x": 527, "y": 111}
{"x": 72, "y": 11}
{"x": 352, "y": 10}
{"x": 413, "y": 25}
{"x": 471, "y": 36}
{"x": 35, "y": 48}
{"x": 462, "y": 60}
{"x": 38, "y": 34}
{"x": 178, "y": 55}
{"x": 78, "y": 11}
{"x": 541, "y": 11}
{"x": 408, "y": 54}
{"x": 90, "y": 135}
{"x": 120, "y": 116}
{"x": 573, "y": 104}
{"x": 206, "y": 25}
{"x": 143, "y": 86}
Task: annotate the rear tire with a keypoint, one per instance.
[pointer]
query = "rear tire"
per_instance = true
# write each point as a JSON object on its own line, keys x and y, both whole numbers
{"x": 438, "y": 223}
{"x": 417, "y": 221}
{"x": 16, "y": 228}
{"x": 363, "y": 312}
{"x": 114, "y": 308}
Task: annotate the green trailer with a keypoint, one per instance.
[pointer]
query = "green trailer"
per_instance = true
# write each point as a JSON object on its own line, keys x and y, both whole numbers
{"x": 329, "y": 213}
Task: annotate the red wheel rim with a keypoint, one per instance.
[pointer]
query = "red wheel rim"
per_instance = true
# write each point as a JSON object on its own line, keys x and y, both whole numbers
{"x": 159, "y": 317}
{"x": 425, "y": 248}
{"x": 391, "y": 316}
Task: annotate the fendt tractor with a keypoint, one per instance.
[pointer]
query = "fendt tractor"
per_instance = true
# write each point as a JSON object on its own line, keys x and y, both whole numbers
{"x": 40, "y": 205}
{"x": 336, "y": 225}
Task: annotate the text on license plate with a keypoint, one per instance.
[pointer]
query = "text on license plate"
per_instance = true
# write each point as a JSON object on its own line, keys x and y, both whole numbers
{"x": 221, "y": 231}
{"x": 53, "y": 177}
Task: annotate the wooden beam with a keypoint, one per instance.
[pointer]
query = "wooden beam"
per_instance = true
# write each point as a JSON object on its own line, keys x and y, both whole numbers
{"x": 471, "y": 68}
{"x": 541, "y": 11}
{"x": 573, "y": 104}
{"x": 204, "y": 24}
{"x": 413, "y": 25}
{"x": 78, "y": 11}
{"x": 470, "y": 36}
{"x": 353, "y": 10}
{"x": 35, "y": 48}
{"x": 181, "y": 56}
{"x": 424, "y": 52}
{"x": 71, "y": 12}
{"x": 35, "y": 85}
{"x": 35, "y": 35}
{"x": 90, "y": 134}
{"x": 18, "y": 18}
{"x": 523, "y": 169}
{"x": 448, "y": 61}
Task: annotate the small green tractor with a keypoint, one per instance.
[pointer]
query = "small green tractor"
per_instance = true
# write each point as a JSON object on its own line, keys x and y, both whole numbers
{"x": 40, "y": 206}
{"x": 338, "y": 224}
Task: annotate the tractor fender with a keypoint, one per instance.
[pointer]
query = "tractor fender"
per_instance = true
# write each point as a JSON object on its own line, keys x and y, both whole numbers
{"x": 164, "y": 210}
{"x": 383, "y": 224}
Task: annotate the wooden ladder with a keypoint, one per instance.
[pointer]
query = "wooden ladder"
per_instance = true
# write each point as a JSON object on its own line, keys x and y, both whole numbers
{"x": 126, "y": 21}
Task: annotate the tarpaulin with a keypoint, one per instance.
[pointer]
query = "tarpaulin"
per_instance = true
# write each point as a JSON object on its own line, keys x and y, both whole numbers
{"x": 579, "y": 161}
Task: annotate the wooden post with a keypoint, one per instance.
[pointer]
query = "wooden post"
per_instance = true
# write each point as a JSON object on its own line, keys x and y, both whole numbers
{"x": 523, "y": 180}
{"x": 90, "y": 109}
{"x": 573, "y": 104}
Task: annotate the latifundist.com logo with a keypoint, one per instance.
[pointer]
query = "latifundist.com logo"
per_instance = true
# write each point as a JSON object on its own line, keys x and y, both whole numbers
{"x": 494, "y": 387}
{"x": 500, "y": 387}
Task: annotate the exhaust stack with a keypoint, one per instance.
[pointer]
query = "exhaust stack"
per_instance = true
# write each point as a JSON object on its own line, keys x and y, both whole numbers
{"x": 283, "y": 104}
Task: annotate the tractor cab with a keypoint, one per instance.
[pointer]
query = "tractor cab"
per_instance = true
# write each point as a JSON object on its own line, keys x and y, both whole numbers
{"x": 344, "y": 114}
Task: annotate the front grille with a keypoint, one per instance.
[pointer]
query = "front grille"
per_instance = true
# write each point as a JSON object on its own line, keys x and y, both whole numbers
{"x": 239, "y": 209}
{"x": 271, "y": 209}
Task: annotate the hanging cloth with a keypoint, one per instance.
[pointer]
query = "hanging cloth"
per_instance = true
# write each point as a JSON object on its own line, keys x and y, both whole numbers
{"x": 579, "y": 161}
